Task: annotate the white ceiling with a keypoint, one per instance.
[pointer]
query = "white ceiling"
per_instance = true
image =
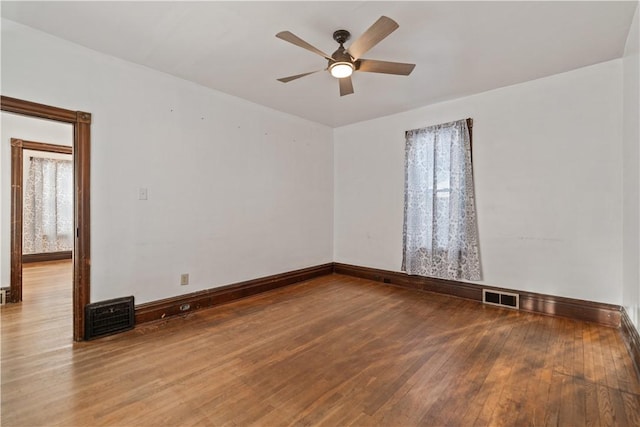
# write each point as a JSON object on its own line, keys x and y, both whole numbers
{"x": 460, "y": 48}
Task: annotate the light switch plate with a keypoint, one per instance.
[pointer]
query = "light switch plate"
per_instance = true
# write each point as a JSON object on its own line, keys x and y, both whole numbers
{"x": 142, "y": 193}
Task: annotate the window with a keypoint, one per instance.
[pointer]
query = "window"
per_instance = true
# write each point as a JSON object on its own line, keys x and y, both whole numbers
{"x": 440, "y": 229}
{"x": 48, "y": 206}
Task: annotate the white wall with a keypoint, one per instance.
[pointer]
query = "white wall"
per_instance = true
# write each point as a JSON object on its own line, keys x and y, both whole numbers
{"x": 547, "y": 165}
{"x": 236, "y": 191}
{"x": 631, "y": 177}
{"x": 30, "y": 129}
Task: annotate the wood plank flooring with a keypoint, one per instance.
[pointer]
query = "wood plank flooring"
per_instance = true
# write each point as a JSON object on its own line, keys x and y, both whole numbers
{"x": 332, "y": 351}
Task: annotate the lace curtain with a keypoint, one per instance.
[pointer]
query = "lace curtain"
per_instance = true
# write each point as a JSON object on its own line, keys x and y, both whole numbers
{"x": 48, "y": 207}
{"x": 440, "y": 229}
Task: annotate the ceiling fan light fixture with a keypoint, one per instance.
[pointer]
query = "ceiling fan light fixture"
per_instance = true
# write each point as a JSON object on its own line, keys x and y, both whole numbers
{"x": 344, "y": 62}
{"x": 340, "y": 70}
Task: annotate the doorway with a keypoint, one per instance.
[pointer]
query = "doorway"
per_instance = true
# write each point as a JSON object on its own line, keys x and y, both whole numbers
{"x": 46, "y": 180}
{"x": 81, "y": 122}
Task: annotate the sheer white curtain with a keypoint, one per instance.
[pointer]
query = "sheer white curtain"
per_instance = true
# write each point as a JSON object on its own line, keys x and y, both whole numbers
{"x": 48, "y": 207}
{"x": 440, "y": 229}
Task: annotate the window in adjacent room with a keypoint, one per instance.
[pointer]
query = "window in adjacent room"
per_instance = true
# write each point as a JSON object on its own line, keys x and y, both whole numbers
{"x": 48, "y": 204}
{"x": 440, "y": 227}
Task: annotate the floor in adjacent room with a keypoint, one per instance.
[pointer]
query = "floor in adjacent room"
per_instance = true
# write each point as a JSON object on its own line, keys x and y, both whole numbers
{"x": 330, "y": 351}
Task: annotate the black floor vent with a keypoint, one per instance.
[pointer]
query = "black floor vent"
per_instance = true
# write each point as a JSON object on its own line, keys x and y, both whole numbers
{"x": 108, "y": 317}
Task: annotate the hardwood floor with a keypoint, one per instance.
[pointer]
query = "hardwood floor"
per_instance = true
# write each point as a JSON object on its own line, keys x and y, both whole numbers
{"x": 331, "y": 351}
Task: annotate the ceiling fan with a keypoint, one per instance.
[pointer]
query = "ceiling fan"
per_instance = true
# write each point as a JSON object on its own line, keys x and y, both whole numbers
{"x": 343, "y": 62}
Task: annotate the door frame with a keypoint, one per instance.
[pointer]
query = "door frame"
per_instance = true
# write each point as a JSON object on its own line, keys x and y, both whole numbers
{"x": 81, "y": 122}
{"x": 17, "y": 203}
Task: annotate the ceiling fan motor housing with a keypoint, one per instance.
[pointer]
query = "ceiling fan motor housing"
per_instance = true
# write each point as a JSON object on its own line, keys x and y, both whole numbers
{"x": 341, "y": 54}
{"x": 341, "y": 36}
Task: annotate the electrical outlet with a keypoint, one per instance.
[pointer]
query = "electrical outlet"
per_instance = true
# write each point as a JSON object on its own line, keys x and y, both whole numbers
{"x": 184, "y": 279}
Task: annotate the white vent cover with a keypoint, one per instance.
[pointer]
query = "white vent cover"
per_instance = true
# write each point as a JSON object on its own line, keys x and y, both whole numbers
{"x": 501, "y": 299}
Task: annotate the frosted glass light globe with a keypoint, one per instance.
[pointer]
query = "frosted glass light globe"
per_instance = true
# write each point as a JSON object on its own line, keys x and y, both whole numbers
{"x": 341, "y": 70}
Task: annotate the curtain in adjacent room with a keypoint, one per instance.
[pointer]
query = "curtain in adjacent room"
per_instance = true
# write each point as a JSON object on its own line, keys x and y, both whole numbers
{"x": 48, "y": 206}
{"x": 440, "y": 228}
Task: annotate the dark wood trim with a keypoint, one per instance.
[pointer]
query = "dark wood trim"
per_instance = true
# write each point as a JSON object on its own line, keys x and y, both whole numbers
{"x": 81, "y": 122}
{"x": 601, "y": 313}
{"x": 211, "y": 297}
{"x": 17, "y": 167}
{"x": 470, "y": 127}
{"x": 46, "y": 256}
{"x": 49, "y": 148}
{"x": 82, "y": 241}
{"x": 589, "y": 311}
{"x": 631, "y": 338}
{"x": 33, "y": 109}
{"x": 403, "y": 280}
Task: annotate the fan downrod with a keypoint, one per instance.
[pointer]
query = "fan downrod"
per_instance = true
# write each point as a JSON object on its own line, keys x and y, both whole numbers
{"x": 341, "y": 36}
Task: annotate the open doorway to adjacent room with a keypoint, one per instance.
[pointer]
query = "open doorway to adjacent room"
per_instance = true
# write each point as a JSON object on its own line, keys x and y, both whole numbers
{"x": 41, "y": 184}
{"x": 45, "y": 210}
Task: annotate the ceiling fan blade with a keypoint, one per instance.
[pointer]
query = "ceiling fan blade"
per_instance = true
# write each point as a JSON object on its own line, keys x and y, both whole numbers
{"x": 374, "y": 34}
{"x": 297, "y": 76}
{"x": 293, "y": 39}
{"x": 373, "y": 66}
{"x": 346, "y": 86}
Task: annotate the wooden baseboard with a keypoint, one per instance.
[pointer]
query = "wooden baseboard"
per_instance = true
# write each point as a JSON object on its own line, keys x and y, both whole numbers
{"x": 604, "y": 314}
{"x": 441, "y": 286}
{"x": 211, "y": 297}
{"x": 589, "y": 311}
{"x": 631, "y": 338}
{"x": 46, "y": 256}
